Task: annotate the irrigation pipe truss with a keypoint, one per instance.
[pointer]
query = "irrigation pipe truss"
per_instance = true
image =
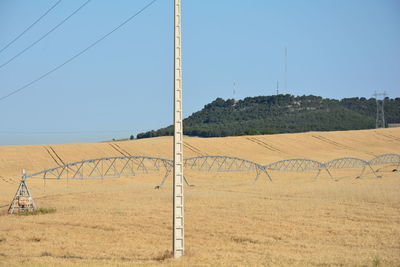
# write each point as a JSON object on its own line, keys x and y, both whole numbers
{"x": 110, "y": 167}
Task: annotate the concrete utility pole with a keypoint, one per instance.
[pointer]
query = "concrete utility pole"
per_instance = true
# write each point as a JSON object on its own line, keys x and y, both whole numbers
{"x": 178, "y": 201}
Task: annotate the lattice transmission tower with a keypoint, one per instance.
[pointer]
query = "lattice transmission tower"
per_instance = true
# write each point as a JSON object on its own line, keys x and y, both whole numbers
{"x": 380, "y": 113}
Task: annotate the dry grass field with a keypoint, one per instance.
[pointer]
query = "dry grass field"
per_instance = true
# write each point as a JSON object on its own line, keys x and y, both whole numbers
{"x": 229, "y": 221}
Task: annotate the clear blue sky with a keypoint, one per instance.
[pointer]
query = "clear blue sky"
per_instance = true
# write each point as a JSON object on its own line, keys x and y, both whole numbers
{"x": 122, "y": 86}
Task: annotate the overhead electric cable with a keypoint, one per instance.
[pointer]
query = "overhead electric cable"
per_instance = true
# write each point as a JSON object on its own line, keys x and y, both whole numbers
{"x": 80, "y": 53}
{"x": 62, "y": 132}
{"x": 30, "y": 26}
{"x": 45, "y": 35}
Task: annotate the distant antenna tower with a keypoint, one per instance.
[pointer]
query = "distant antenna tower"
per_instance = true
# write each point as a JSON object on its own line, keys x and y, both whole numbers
{"x": 286, "y": 70}
{"x": 380, "y": 113}
{"x": 277, "y": 87}
{"x": 234, "y": 90}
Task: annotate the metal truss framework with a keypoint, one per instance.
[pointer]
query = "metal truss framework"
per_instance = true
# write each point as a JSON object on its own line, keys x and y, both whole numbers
{"x": 110, "y": 167}
{"x": 349, "y": 163}
{"x": 346, "y": 163}
{"x": 22, "y": 200}
{"x": 386, "y": 159}
{"x": 297, "y": 165}
{"x": 222, "y": 164}
{"x": 305, "y": 165}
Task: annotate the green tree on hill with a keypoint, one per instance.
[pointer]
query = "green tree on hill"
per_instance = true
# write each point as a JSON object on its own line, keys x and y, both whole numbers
{"x": 282, "y": 114}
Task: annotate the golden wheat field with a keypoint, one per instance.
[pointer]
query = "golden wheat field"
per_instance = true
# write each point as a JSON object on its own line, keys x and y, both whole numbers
{"x": 296, "y": 220}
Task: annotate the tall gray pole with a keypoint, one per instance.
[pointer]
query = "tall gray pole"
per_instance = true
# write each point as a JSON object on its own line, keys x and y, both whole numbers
{"x": 286, "y": 70}
{"x": 178, "y": 209}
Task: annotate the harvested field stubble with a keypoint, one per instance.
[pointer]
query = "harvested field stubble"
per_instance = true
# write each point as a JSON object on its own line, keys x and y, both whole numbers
{"x": 294, "y": 221}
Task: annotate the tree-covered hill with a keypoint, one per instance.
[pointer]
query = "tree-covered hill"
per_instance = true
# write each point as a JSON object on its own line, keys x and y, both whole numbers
{"x": 282, "y": 114}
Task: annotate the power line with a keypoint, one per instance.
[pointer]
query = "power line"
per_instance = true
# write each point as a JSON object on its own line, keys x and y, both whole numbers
{"x": 45, "y": 35}
{"x": 78, "y": 54}
{"x": 30, "y": 26}
{"x": 62, "y": 132}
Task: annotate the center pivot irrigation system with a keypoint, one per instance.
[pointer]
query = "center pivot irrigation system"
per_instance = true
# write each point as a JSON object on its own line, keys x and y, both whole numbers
{"x": 115, "y": 167}
{"x": 132, "y": 165}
